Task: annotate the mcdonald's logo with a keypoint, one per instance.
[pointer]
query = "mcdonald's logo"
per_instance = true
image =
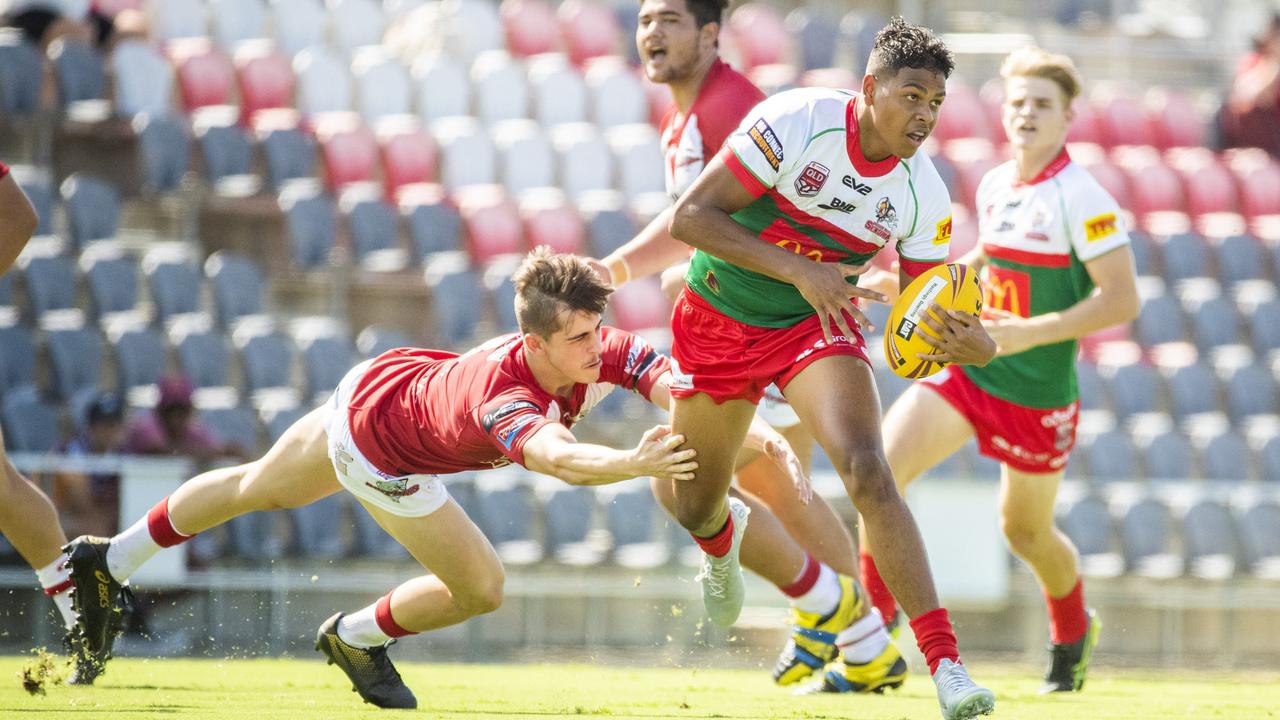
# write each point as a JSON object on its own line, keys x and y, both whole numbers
{"x": 1100, "y": 227}
{"x": 798, "y": 249}
{"x": 1008, "y": 290}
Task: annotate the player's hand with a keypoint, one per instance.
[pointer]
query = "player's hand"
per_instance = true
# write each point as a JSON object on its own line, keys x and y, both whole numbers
{"x": 1011, "y": 333}
{"x": 825, "y": 288}
{"x": 885, "y": 282}
{"x": 956, "y": 337}
{"x": 659, "y": 455}
{"x": 600, "y": 269}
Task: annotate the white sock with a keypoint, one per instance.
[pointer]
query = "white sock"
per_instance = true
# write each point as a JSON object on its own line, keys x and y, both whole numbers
{"x": 56, "y": 575}
{"x": 823, "y": 597}
{"x": 360, "y": 628}
{"x": 864, "y": 640}
{"x": 130, "y": 549}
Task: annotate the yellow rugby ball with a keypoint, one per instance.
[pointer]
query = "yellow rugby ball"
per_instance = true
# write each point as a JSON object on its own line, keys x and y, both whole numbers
{"x": 954, "y": 287}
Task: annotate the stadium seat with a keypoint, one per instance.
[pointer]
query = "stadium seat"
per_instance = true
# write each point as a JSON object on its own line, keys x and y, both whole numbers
{"x": 205, "y": 74}
{"x": 297, "y": 24}
{"x": 17, "y": 356}
{"x": 265, "y": 80}
{"x": 224, "y": 147}
{"x": 372, "y": 223}
{"x": 1123, "y": 119}
{"x": 1168, "y": 456}
{"x": 1088, "y": 523}
{"x": 288, "y": 155}
{"x": 203, "y": 356}
{"x": 964, "y": 115}
{"x": 327, "y": 354}
{"x": 1211, "y": 187}
{"x": 173, "y": 19}
{"x": 1264, "y": 326}
{"x": 492, "y": 223}
{"x": 1260, "y": 537}
{"x": 499, "y": 86}
{"x": 638, "y": 156}
{"x": 21, "y": 71}
{"x": 75, "y": 356}
{"x": 1208, "y": 538}
{"x": 816, "y": 34}
{"x": 588, "y": 29}
{"x": 164, "y": 151}
{"x": 323, "y": 82}
{"x": 30, "y": 424}
{"x": 467, "y": 28}
{"x": 407, "y": 153}
{"x": 174, "y": 280}
{"x": 1214, "y": 322}
{"x": 1185, "y": 255}
{"x": 454, "y": 287}
{"x": 1116, "y": 182}
{"x": 658, "y": 96}
{"x": 266, "y": 357}
{"x": 348, "y": 150}
{"x": 143, "y": 82}
{"x": 629, "y": 517}
{"x": 570, "y": 517}
{"x": 309, "y": 221}
{"x": 383, "y": 85}
{"x": 139, "y": 358}
{"x": 433, "y": 223}
{"x": 1154, "y": 187}
{"x": 237, "y": 286}
{"x": 313, "y": 528}
{"x": 550, "y": 220}
{"x": 1239, "y": 257}
{"x": 78, "y": 71}
{"x": 608, "y": 225}
{"x": 355, "y": 23}
{"x": 234, "y": 21}
{"x": 1134, "y": 388}
{"x": 467, "y": 155}
{"x": 972, "y": 158}
{"x": 111, "y": 277}
{"x": 529, "y": 27}
{"x": 760, "y": 35}
{"x": 1160, "y": 321}
{"x": 1112, "y": 457}
{"x": 526, "y": 159}
{"x": 615, "y": 94}
{"x": 1259, "y": 183}
{"x": 1175, "y": 120}
{"x": 505, "y": 513}
{"x": 443, "y": 90}
{"x": 1192, "y": 389}
{"x": 50, "y": 280}
{"x": 92, "y": 206}
{"x": 1093, "y": 391}
{"x": 502, "y": 292}
{"x": 1251, "y": 390}
{"x": 1147, "y": 540}
{"x": 36, "y": 183}
{"x": 776, "y": 78}
{"x": 233, "y": 426}
{"x": 377, "y": 339}
{"x": 1225, "y": 456}
{"x": 557, "y": 92}
{"x": 585, "y": 161}
{"x": 640, "y": 305}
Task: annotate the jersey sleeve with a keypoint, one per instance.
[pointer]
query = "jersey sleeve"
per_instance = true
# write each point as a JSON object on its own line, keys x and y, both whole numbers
{"x": 771, "y": 135}
{"x": 928, "y": 235}
{"x": 1094, "y": 223}
{"x": 509, "y": 420}
{"x": 630, "y": 362}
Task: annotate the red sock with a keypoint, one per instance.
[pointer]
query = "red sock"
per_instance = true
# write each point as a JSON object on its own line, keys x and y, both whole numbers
{"x": 806, "y": 580}
{"x": 936, "y": 638}
{"x": 1068, "y": 621}
{"x": 161, "y": 526}
{"x": 386, "y": 623}
{"x": 717, "y": 545}
{"x": 879, "y": 593}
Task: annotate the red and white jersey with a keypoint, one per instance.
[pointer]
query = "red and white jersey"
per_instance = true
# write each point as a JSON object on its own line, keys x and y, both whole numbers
{"x": 420, "y": 411}
{"x": 690, "y": 141}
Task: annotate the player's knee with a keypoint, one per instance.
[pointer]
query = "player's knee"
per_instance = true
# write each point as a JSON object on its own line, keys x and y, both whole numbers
{"x": 484, "y": 596}
{"x": 693, "y": 518}
{"x": 867, "y": 476}
{"x": 1023, "y": 539}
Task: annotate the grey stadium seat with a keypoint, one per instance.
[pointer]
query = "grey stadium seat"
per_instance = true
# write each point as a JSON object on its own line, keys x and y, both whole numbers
{"x": 1193, "y": 389}
{"x": 1088, "y": 523}
{"x": 17, "y": 357}
{"x": 630, "y": 519}
{"x": 377, "y": 339}
{"x": 1240, "y": 257}
{"x": 1159, "y": 322}
{"x": 1251, "y": 390}
{"x": 76, "y": 357}
{"x": 505, "y": 512}
{"x": 51, "y": 284}
{"x": 1208, "y": 537}
{"x": 309, "y": 219}
{"x": 140, "y": 358}
{"x": 237, "y": 285}
{"x": 30, "y": 424}
{"x": 1111, "y": 456}
{"x": 92, "y": 206}
{"x": 1169, "y": 456}
{"x": 454, "y": 288}
{"x": 570, "y": 515}
{"x": 1147, "y": 540}
{"x": 1260, "y": 537}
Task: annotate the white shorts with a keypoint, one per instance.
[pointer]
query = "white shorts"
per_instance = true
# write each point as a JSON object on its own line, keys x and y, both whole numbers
{"x": 406, "y": 496}
{"x": 775, "y": 410}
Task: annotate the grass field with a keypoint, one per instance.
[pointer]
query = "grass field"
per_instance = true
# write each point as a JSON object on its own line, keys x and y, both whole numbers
{"x": 253, "y": 689}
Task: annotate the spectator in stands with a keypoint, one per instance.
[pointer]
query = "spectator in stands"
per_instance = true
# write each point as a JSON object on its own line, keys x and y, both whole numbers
{"x": 172, "y": 429}
{"x": 43, "y": 21}
{"x": 1251, "y": 115}
{"x": 89, "y": 502}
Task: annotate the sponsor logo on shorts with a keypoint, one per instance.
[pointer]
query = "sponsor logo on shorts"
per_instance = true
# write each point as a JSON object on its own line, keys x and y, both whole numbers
{"x": 811, "y": 179}
{"x": 767, "y": 143}
{"x": 395, "y": 488}
{"x": 679, "y": 378}
{"x": 943, "y": 235}
{"x": 1100, "y": 227}
{"x": 821, "y": 343}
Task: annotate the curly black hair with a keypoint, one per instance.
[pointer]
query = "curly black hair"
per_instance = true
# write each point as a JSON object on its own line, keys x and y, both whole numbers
{"x": 903, "y": 45}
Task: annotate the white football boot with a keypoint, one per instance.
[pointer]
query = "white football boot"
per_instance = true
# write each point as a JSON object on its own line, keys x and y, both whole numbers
{"x": 723, "y": 588}
{"x": 960, "y": 697}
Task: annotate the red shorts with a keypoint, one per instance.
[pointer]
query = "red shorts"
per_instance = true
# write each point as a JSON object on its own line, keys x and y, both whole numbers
{"x": 730, "y": 360}
{"x": 1033, "y": 440}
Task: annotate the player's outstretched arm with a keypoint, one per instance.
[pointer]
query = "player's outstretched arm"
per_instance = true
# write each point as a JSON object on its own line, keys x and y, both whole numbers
{"x": 553, "y": 450}
{"x": 650, "y": 252}
{"x": 17, "y": 221}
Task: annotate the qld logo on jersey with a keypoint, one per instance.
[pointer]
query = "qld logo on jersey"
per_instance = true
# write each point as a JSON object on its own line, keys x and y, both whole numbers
{"x": 811, "y": 179}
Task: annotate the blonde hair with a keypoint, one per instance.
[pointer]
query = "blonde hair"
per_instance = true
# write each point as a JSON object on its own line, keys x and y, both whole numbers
{"x": 1032, "y": 61}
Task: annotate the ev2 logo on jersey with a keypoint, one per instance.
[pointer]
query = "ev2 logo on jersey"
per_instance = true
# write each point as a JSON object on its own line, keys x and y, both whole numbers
{"x": 852, "y": 183}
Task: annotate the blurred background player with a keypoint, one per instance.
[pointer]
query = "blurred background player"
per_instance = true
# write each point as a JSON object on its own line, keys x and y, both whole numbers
{"x": 397, "y": 421}
{"x": 781, "y": 223}
{"x": 90, "y": 501}
{"x": 27, "y": 516}
{"x": 1057, "y": 267}
{"x": 678, "y": 43}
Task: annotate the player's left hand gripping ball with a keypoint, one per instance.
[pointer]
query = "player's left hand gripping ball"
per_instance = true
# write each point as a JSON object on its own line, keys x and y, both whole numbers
{"x": 951, "y": 287}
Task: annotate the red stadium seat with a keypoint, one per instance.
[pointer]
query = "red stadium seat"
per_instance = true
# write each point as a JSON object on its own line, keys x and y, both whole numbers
{"x": 549, "y": 219}
{"x": 491, "y": 223}
{"x": 774, "y": 77}
{"x": 265, "y": 79}
{"x": 1175, "y": 120}
{"x": 964, "y": 231}
{"x": 348, "y": 149}
{"x": 589, "y": 30}
{"x": 971, "y": 158}
{"x": 1123, "y": 121}
{"x": 408, "y": 153}
{"x": 963, "y": 115}
{"x": 1259, "y": 180}
{"x": 1111, "y": 178}
{"x": 829, "y": 77}
{"x": 204, "y": 73}
{"x": 641, "y": 304}
{"x": 1153, "y": 185}
{"x": 659, "y": 98}
{"x": 992, "y": 95}
{"x": 760, "y": 35}
{"x": 529, "y": 26}
{"x": 1086, "y": 128}
{"x": 1210, "y": 186}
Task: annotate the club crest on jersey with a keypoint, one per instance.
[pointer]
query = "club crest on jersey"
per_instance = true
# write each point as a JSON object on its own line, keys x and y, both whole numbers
{"x": 886, "y": 214}
{"x": 395, "y": 488}
{"x": 711, "y": 282}
{"x": 766, "y": 142}
{"x": 811, "y": 179}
